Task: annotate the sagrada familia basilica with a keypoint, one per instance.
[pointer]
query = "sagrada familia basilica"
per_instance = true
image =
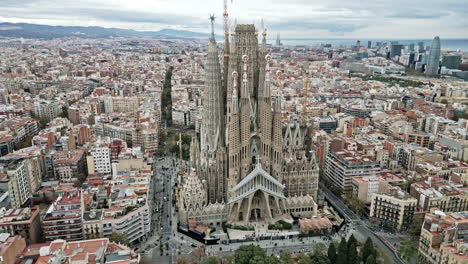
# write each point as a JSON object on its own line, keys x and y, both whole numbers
{"x": 246, "y": 164}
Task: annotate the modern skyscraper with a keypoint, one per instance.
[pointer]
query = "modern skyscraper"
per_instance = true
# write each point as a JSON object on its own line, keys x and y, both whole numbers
{"x": 369, "y": 44}
{"x": 421, "y": 46}
{"x": 395, "y": 50}
{"x": 411, "y": 60}
{"x": 434, "y": 58}
{"x": 278, "y": 40}
{"x": 451, "y": 61}
{"x": 411, "y": 47}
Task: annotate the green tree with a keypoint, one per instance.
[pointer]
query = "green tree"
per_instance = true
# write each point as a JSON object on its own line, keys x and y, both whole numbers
{"x": 246, "y": 253}
{"x": 305, "y": 260}
{"x": 371, "y": 260}
{"x": 166, "y": 99}
{"x": 228, "y": 260}
{"x": 352, "y": 240}
{"x": 368, "y": 250}
{"x": 355, "y": 204}
{"x": 120, "y": 238}
{"x": 264, "y": 260}
{"x": 415, "y": 227}
{"x": 342, "y": 257}
{"x": 285, "y": 257}
{"x": 211, "y": 260}
{"x": 186, "y": 139}
{"x": 175, "y": 149}
{"x": 444, "y": 101}
{"x": 353, "y": 254}
{"x": 319, "y": 249}
{"x": 408, "y": 248}
{"x": 332, "y": 253}
{"x": 320, "y": 260}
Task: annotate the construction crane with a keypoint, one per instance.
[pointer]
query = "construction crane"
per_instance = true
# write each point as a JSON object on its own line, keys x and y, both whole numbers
{"x": 226, "y": 50}
{"x": 226, "y": 19}
{"x": 305, "y": 91}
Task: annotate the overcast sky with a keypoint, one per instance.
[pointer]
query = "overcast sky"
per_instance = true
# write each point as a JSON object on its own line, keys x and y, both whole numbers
{"x": 403, "y": 19}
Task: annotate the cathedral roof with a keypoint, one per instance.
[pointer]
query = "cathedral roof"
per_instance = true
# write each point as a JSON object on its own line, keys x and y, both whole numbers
{"x": 257, "y": 171}
{"x": 257, "y": 180}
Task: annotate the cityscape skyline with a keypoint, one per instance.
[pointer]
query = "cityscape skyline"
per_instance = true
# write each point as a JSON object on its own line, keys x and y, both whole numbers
{"x": 233, "y": 145}
{"x": 370, "y": 19}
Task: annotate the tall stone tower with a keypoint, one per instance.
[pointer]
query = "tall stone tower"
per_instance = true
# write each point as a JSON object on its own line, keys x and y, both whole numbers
{"x": 212, "y": 142}
{"x": 240, "y": 158}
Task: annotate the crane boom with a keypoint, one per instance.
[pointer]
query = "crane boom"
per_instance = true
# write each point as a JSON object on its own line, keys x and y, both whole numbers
{"x": 226, "y": 18}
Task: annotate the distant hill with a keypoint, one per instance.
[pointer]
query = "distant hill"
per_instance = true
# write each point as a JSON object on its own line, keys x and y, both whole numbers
{"x": 25, "y": 30}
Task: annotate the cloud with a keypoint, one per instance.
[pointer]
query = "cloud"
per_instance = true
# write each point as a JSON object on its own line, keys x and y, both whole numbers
{"x": 419, "y": 14}
{"x": 293, "y": 18}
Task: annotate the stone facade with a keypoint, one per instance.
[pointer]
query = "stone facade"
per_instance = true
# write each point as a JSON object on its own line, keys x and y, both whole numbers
{"x": 243, "y": 168}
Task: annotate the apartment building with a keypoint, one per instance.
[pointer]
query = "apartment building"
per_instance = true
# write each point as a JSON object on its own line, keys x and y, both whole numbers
{"x": 25, "y": 222}
{"x": 420, "y": 139}
{"x": 92, "y": 224}
{"x": 10, "y": 247}
{"x": 19, "y": 185}
{"x": 83, "y": 251}
{"x": 147, "y": 137}
{"x": 24, "y": 169}
{"x": 411, "y": 155}
{"x": 394, "y": 209}
{"x": 342, "y": 166}
{"x": 70, "y": 165}
{"x": 20, "y": 127}
{"x": 7, "y": 144}
{"x": 99, "y": 160}
{"x": 364, "y": 187}
{"x": 438, "y": 193}
{"x": 64, "y": 218}
{"x": 47, "y": 110}
{"x": 443, "y": 237}
{"x": 135, "y": 221}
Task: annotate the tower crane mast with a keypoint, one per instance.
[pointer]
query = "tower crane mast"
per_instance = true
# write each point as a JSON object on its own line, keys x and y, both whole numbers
{"x": 305, "y": 91}
{"x": 226, "y": 51}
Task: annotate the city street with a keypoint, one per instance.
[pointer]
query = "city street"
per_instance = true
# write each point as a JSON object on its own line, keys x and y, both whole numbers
{"x": 166, "y": 243}
{"x": 362, "y": 228}
{"x": 164, "y": 217}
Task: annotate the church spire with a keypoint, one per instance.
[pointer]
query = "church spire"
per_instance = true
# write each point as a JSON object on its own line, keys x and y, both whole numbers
{"x": 234, "y": 101}
{"x": 264, "y": 34}
{"x": 266, "y": 89}
{"x": 212, "y": 19}
{"x": 245, "y": 81}
{"x": 279, "y": 96}
{"x": 227, "y": 52}
{"x": 213, "y": 101}
{"x": 262, "y": 62}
